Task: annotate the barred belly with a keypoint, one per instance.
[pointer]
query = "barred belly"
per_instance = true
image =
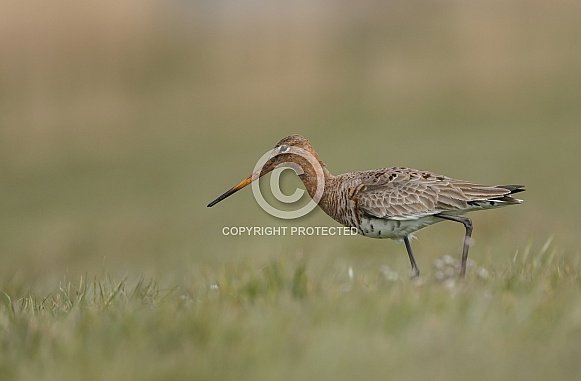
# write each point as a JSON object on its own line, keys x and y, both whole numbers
{"x": 394, "y": 229}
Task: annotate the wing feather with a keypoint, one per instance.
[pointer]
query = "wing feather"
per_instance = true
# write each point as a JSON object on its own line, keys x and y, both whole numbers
{"x": 401, "y": 193}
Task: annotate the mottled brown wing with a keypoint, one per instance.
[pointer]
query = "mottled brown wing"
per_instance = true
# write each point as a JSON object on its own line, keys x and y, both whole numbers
{"x": 398, "y": 200}
{"x": 401, "y": 193}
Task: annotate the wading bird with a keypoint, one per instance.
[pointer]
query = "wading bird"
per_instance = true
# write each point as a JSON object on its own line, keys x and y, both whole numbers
{"x": 389, "y": 202}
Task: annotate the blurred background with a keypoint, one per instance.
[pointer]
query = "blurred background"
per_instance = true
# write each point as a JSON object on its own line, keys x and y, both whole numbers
{"x": 120, "y": 121}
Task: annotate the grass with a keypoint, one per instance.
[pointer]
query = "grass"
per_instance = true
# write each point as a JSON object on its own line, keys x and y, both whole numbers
{"x": 290, "y": 319}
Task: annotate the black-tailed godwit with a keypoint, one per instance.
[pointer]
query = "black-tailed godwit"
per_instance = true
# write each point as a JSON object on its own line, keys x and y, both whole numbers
{"x": 389, "y": 202}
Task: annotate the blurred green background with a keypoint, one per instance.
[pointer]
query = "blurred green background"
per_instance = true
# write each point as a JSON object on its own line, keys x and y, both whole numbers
{"x": 119, "y": 122}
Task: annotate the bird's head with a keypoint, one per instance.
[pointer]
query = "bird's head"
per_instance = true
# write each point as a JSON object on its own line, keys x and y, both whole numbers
{"x": 292, "y": 151}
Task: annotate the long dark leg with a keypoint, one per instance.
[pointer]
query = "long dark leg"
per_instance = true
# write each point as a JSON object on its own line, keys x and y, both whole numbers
{"x": 415, "y": 269}
{"x": 467, "y": 222}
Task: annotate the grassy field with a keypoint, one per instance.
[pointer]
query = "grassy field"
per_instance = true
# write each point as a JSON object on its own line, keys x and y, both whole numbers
{"x": 118, "y": 124}
{"x": 291, "y": 319}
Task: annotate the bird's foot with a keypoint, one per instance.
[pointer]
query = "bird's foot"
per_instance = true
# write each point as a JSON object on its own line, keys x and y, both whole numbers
{"x": 414, "y": 273}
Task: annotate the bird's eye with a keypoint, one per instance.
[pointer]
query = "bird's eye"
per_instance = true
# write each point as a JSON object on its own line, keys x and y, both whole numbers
{"x": 283, "y": 149}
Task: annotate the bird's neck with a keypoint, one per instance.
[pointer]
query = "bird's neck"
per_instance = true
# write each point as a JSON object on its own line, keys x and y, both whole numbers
{"x": 311, "y": 178}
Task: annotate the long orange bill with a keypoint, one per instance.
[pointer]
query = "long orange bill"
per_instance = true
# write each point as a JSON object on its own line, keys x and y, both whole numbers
{"x": 242, "y": 184}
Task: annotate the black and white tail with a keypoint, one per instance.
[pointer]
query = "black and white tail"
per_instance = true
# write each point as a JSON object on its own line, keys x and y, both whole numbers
{"x": 500, "y": 201}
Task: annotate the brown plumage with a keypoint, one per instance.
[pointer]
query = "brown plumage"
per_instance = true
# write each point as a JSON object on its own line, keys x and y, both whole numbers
{"x": 389, "y": 202}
